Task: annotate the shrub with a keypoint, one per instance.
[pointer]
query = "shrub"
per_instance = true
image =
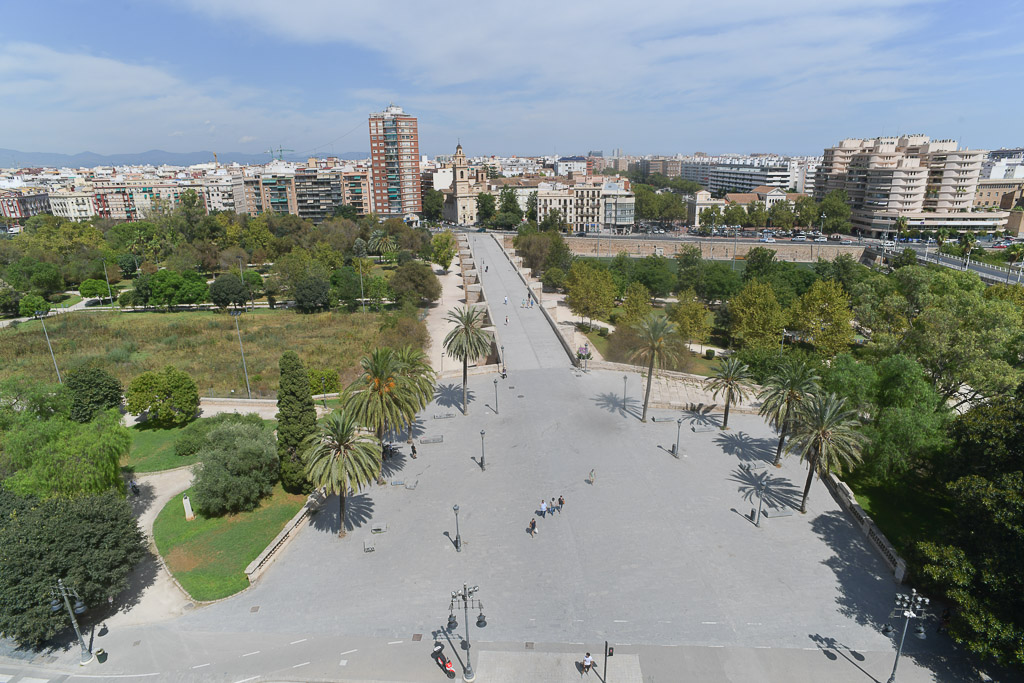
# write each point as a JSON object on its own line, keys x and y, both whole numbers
{"x": 312, "y": 293}
{"x": 415, "y": 281}
{"x": 324, "y": 381}
{"x": 30, "y": 303}
{"x": 228, "y": 290}
{"x": 170, "y": 396}
{"x": 93, "y": 390}
{"x": 709, "y": 353}
{"x": 192, "y": 437}
{"x": 602, "y": 331}
{"x": 239, "y": 468}
{"x": 296, "y": 420}
{"x": 554, "y": 278}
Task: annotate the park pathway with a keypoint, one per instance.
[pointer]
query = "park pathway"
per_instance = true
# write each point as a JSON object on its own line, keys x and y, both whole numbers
{"x": 529, "y": 341}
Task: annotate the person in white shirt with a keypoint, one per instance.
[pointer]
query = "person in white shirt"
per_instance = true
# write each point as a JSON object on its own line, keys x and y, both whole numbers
{"x": 588, "y": 662}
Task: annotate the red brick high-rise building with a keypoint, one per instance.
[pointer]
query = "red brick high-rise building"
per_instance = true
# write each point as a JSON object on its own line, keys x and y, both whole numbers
{"x": 395, "y": 160}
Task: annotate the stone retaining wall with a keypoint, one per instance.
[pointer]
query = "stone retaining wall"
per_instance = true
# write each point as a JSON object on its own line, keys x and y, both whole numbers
{"x": 879, "y": 542}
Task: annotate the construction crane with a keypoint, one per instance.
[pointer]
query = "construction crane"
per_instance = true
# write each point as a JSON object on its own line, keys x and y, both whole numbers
{"x": 216, "y": 164}
{"x": 280, "y": 152}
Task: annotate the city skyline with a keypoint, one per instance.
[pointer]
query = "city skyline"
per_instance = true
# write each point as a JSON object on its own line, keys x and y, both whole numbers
{"x": 247, "y": 76}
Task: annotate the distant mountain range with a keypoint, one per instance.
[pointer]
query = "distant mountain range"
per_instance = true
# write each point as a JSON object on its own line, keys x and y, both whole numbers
{"x": 11, "y": 158}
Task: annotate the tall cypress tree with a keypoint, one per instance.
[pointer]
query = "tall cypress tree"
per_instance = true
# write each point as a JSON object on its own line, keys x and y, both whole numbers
{"x": 296, "y": 419}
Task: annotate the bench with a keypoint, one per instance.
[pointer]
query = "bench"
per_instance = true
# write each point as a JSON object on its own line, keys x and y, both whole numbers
{"x": 379, "y": 528}
{"x": 784, "y": 512}
{"x": 750, "y": 467}
{"x": 702, "y": 428}
{"x": 432, "y": 439}
{"x": 443, "y": 416}
{"x": 412, "y": 486}
{"x": 368, "y": 545}
{"x": 397, "y": 482}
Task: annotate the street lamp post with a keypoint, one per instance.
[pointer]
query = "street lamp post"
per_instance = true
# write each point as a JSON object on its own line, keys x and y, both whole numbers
{"x": 105, "y": 277}
{"x": 760, "y": 502}
{"x": 40, "y": 315}
{"x": 458, "y": 537}
{"x": 909, "y": 607}
{"x": 495, "y": 395}
{"x": 362, "y": 297}
{"x": 503, "y": 361}
{"x": 465, "y": 596}
{"x": 624, "y": 378}
{"x": 679, "y": 428}
{"x": 235, "y": 314}
{"x": 65, "y": 594}
{"x": 483, "y": 467}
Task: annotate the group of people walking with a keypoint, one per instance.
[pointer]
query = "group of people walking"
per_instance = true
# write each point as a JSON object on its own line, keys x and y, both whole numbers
{"x": 545, "y": 510}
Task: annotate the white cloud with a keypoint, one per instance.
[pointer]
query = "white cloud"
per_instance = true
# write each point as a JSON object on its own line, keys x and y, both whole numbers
{"x": 246, "y": 138}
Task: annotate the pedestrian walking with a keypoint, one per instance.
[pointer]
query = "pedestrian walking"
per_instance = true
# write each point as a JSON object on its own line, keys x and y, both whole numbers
{"x": 506, "y": 301}
{"x": 552, "y": 505}
{"x": 543, "y": 508}
{"x": 593, "y": 478}
{"x": 506, "y": 320}
{"x": 588, "y": 663}
{"x": 414, "y": 451}
{"x": 533, "y": 527}
{"x": 561, "y": 502}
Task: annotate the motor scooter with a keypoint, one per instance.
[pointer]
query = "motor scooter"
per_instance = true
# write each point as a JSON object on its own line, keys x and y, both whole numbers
{"x": 442, "y": 661}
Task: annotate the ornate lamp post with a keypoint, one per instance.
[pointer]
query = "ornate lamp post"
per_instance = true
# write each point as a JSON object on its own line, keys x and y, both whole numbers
{"x": 465, "y": 596}
{"x": 495, "y": 395}
{"x": 483, "y": 467}
{"x": 679, "y": 428}
{"x": 909, "y": 607}
{"x": 458, "y": 537}
{"x": 60, "y": 593}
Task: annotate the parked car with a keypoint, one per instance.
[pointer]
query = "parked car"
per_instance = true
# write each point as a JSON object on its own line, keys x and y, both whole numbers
{"x": 846, "y": 241}
{"x": 821, "y": 238}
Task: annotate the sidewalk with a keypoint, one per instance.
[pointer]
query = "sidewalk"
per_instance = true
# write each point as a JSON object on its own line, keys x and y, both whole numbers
{"x": 452, "y": 296}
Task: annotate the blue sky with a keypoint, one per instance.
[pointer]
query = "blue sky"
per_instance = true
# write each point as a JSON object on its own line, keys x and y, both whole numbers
{"x": 507, "y": 78}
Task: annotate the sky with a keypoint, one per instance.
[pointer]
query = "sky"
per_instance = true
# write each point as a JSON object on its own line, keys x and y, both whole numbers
{"x": 526, "y": 78}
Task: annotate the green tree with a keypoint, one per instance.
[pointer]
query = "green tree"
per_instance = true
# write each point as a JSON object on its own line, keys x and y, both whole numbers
{"x": 340, "y": 457}
{"x": 853, "y": 381}
{"x": 485, "y": 206}
{"x": 127, "y": 264}
{"x": 806, "y": 210}
{"x": 93, "y": 543}
{"x": 382, "y": 243}
{"x": 907, "y": 257}
{"x": 466, "y": 341}
{"x": 443, "y": 249}
{"x": 636, "y": 305}
{"x": 378, "y": 291}
{"x": 836, "y": 208}
{"x": 590, "y": 291}
{"x": 781, "y": 216}
{"x": 732, "y": 379}
{"x": 656, "y": 274}
{"x": 691, "y": 318}
{"x": 228, "y": 290}
{"x": 783, "y": 395}
{"x": 351, "y": 213}
{"x": 823, "y": 314}
{"x": 734, "y": 214}
{"x": 312, "y": 293}
{"x": 8, "y": 300}
{"x": 531, "y": 206}
{"x": 93, "y": 390}
{"x": 757, "y": 215}
{"x": 716, "y": 282}
{"x": 238, "y": 468}
{"x": 31, "y": 304}
{"x": 553, "y": 222}
{"x": 415, "y": 282}
{"x": 761, "y": 263}
{"x": 623, "y": 270}
{"x": 656, "y": 344}
{"x": 825, "y": 436}
{"x": 559, "y": 255}
{"x": 93, "y": 289}
{"x": 170, "y": 396}
{"x": 554, "y": 278}
{"x": 433, "y": 204}
{"x": 508, "y": 203}
{"x": 381, "y": 398}
{"x": 756, "y": 318}
{"x": 60, "y": 457}
{"x": 420, "y": 379}
{"x": 296, "y": 420}
{"x": 711, "y": 217}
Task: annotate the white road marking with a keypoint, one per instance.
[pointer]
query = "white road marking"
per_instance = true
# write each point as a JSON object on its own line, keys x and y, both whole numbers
{"x": 348, "y": 652}
{"x": 34, "y": 680}
{"x": 343, "y": 662}
{"x": 298, "y": 665}
{"x": 396, "y": 642}
{"x": 753, "y": 623}
{"x": 250, "y": 654}
{"x": 296, "y": 642}
{"x": 716, "y": 645}
{"x": 200, "y": 666}
{"x": 246, "y": 680}
{"x": 709, "y": 622}
{"x": 761, "y": 647}
{"x": 620, "y": 621}
{"x": 118, "y": 676}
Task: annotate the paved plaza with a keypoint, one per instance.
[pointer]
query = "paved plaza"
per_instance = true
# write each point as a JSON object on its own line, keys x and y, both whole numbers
{"x": 656, "y": 555}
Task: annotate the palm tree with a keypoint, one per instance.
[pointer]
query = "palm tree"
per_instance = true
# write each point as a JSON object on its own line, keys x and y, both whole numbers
{"x": 381, "y": 398}
{"x": 967, "y": 241}
{"x": 341, "y": 456}
{"x": 900, "y": 223}
{"x": 732, "y": 378}
{"x": 413, "y": 366}
{"x": 941, "y": 235}
{"x": 782, "y": 396}
{"x": 1014, "y": 252}
{"x": 381, "y": 242}
{"x": 655, "y": 345}
{"x": 825, "y": 435}
{"x": 467, "y": 340}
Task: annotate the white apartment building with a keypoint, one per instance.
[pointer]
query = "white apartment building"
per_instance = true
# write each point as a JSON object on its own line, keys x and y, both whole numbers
{"x": 586, "y": 206}
{"x": 73, "y": 205}
{"x": 575, "y": 165}
{"x": 930, "y": 183}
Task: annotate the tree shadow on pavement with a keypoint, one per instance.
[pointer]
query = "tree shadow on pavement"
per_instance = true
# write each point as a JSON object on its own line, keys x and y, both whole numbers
{"x": 746, "y": 447}
{"x": 700, "y": 415}
{"x": 358, "y": 511}
{"x": 393, "y": 464}
{"x": 450, "y": 395}
{"x": 614, "y": 403}
{"x": 867, "y": 589}
{"x": 780, "y": 493}
{"x": 142, "y": 502}
{"x": 406, "y": 433}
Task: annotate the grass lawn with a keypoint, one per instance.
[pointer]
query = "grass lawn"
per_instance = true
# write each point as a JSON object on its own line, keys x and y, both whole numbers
{"x": 208, "y": 556}
{"x": 906, "y": 512}
{"x": 65, "y": 300}
{"x": 202, "y": 343}
{"x": 597, "y": 341}
{"x": 699, "y": 365}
